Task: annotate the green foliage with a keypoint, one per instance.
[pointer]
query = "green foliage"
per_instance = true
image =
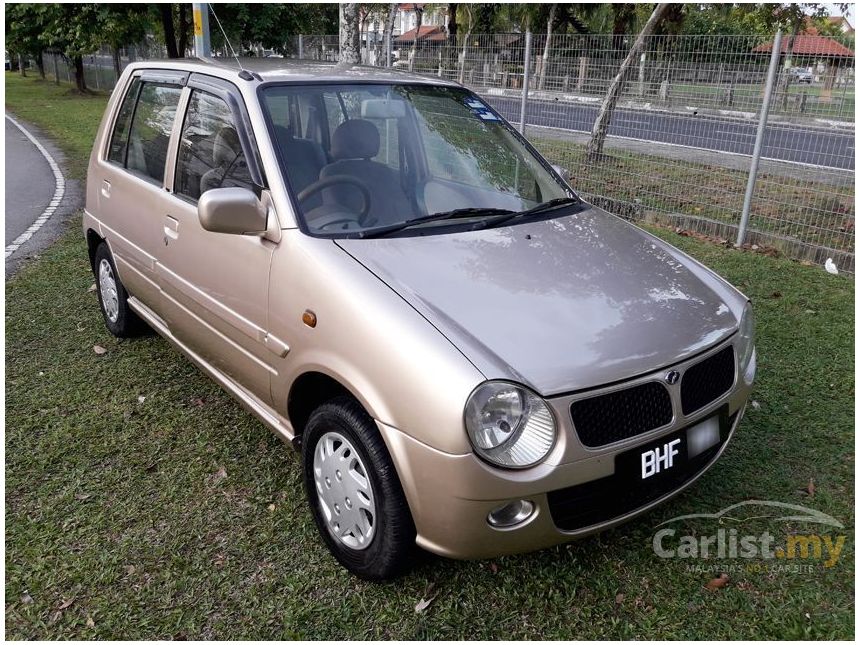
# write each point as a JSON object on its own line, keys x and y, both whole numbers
{"x": 270, "y": 25}
{"x": 25, "y": 29}
{"x": 123, "y": 24}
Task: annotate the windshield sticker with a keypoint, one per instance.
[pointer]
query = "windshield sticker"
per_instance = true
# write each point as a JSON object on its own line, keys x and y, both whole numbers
{"x": 480, "y": 110}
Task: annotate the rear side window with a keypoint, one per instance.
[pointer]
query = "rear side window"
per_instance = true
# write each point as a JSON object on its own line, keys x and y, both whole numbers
{"x": 149, "y": 137}
{"x": 210, "y": 152}
{"x": 119, "y": 138}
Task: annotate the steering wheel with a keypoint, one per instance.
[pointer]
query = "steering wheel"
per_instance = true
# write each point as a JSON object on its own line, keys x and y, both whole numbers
{"x": 333, "y": 180}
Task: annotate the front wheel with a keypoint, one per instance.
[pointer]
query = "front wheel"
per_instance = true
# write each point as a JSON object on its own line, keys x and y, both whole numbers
{"x": 354, "y": 492}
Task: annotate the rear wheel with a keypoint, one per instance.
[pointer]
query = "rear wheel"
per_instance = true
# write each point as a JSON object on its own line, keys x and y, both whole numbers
{"x": 120, "y": 320}
{"x": 354, "y": 492}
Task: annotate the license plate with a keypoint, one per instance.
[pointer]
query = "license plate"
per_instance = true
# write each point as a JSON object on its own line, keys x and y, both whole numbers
{"x": 670, "y": 453}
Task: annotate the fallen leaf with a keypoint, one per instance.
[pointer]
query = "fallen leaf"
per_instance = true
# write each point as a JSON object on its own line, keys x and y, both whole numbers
{"x": 54, "y": 617}
{"x": 810, "y": 489}
{"x": 26, "y": 598}
{"x": 82, "y": 496}
{"x": 141, "y": 399}
{"x": 99, "y": 350}
{"x": 65, "y": 604}
{"x": 429, "y": 596}
{"x": 494, "y": 567}
{"x": 129, "y": 569}
{"x": 90, "y": 621}
{"x": 619, "y": 598}
{"x": 756, "y": 405}
{"x": 198, "y": 402}
{"x": 92, "y": 287}
{"x": 718, "y": 583}
{"x": 271, "y": 507}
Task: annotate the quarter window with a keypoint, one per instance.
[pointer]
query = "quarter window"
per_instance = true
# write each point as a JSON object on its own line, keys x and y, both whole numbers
{"x": 210, "y": 152}
{"x": 150, "y": 129}
{"x": 119, "y": 138}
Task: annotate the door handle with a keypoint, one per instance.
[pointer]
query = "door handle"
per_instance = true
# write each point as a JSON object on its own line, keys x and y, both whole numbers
{"x": 105, "y": 188}
{"x": 171, "y": 229}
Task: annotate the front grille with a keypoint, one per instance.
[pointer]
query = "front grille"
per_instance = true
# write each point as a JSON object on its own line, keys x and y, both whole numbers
{"x": 708, "y": 380}
{"x": 623, "y": 492}
{"x": 608, "y": 418}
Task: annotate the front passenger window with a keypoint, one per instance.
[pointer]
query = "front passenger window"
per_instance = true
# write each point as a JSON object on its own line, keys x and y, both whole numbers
{"x": 210, "y": 152}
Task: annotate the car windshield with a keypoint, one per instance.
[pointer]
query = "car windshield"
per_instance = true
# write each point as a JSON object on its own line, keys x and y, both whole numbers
{"x": 373, "y": 158}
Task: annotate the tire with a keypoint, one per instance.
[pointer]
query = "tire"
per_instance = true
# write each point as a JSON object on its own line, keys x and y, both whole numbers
{"x": 374, "y": 550}
{"x": 120, "y": 320}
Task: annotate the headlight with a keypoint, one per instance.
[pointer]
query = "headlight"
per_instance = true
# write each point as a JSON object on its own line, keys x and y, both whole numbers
{"x": 746, "y": 337}
{"x": 509, "y": 425}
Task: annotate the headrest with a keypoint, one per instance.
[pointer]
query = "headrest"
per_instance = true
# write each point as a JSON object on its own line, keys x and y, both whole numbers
{"x": 226, "y": 147}
{"x": 355, "y": 139}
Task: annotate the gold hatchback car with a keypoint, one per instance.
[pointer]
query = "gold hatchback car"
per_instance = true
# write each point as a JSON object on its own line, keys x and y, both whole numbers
{"x": 470, "y": 358}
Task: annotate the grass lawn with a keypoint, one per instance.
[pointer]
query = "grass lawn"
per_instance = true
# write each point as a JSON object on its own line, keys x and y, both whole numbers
{"x": 811, "y": 212}
{"x": 142, "y": 502}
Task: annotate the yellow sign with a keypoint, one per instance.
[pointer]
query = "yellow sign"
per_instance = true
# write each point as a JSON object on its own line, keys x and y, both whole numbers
{"x": 198, "y": 23}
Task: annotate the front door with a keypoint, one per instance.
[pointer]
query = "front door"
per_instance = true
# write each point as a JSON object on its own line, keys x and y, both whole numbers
{"x": 215, "y": 285}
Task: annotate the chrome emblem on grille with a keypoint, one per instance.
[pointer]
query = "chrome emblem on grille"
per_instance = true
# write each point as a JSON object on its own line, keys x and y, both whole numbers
{"x": 672, "y": 377}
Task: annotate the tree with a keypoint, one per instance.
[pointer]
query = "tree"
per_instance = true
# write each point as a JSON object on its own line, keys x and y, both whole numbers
{"x": 122, "y": 25}
{"x": 73, "y": 31}
{"x": 387, "y": 29}
{"x": 419, "y": 16}
{"x": 470, "y": 23}
{"x": 546, "y": 46}
{"x": 175, "y": 27}
{"x": 604, "y": 116}
{"x": 24, "y": 33}
{"x": 349, "y": 34}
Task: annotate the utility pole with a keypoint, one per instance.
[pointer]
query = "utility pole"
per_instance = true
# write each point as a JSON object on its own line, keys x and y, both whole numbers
{"x": 202, "y": 47}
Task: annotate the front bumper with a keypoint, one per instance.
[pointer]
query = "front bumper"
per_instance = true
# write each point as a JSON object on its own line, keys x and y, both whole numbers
{"x": 450, "y": 496}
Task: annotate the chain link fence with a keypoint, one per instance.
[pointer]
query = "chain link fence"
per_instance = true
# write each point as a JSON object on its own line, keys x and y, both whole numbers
{"x": 681, "y": 140}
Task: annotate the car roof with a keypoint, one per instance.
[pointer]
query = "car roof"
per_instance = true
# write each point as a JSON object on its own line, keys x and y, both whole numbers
{"x": 292, "y": 70}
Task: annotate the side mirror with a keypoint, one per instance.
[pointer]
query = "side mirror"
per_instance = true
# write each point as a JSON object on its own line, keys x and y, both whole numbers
{"x": 231, "y": 210}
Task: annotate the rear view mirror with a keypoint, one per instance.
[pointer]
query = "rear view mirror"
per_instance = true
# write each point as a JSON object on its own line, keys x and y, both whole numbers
{"x": 383, "y": 109}
{"x": 231, "y": 210}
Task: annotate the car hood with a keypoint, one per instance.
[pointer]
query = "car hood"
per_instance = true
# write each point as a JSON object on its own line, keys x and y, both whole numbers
{"x": 559, "y": 304}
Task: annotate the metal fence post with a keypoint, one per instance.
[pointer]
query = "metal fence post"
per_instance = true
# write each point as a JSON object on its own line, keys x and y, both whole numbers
{"x": 527, "y": 61}
{"x": 301, "y": 47}
{"x": 759, "y": 137}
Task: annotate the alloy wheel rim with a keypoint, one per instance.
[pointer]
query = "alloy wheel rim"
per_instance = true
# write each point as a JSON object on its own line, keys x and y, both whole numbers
{"x": 344, "y": 491}
{"x": 107, "y": 288}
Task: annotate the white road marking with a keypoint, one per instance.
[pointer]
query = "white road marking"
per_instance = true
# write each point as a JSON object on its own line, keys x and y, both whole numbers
{"x": 59, "y": 191}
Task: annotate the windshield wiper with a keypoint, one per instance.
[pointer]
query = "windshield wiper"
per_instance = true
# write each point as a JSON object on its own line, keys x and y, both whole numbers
{"x": 550, "y": 205}
{"x": 458, "y": 213}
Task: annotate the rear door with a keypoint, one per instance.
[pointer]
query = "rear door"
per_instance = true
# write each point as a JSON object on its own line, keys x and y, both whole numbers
{"x": 130, "y": 178}
{"x": 215, "y": 285}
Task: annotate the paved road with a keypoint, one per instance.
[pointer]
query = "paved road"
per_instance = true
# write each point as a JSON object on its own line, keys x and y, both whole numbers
{"x": 792, "y": 143}
{"x": 29, "y": 183}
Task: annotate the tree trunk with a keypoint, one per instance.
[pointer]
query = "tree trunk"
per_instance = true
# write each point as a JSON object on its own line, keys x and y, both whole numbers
{"x": 117, "y": 65}
{"x": 546, "y": 46}
{"x": 387, "y": 29}
{"x": 54, "y": 55}
{"x": 452, "y": 21}
{"x": 419, "y": 15}
{"x": 21, "y": 69}
{"x": 80, "y": 81}
{"x": 40, "y": 65}
{"x": 349, "y": 51}
{"x": 604, "y": 116}
{"x": 169, "y": 33}
{"x": 462, "y": 73}
{"x": 183, "y": 28}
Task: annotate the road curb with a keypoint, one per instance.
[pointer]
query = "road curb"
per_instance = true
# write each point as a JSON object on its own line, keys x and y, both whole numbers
{"x": 56, "y": 199}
